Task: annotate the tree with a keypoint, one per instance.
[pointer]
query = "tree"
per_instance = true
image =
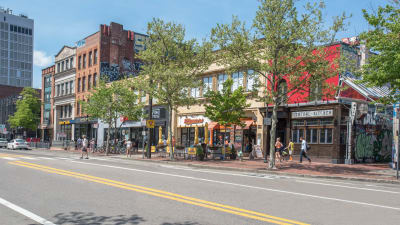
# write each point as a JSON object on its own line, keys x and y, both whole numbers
{"x": 28, "y": 110}
{"x": 226, "y": 107}
{"x": 285, "y": 48}
{"x": 111, "y": 101}
{"x": 384, "y": 39}
{"x": 173, "y": 65}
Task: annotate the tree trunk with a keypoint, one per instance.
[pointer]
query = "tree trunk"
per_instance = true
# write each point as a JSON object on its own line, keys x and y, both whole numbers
{"x": 171, "y": 153}
{"x": 223, "y": 141}
{"x": 273, "y": 135}
{"x": 108, "y": 137}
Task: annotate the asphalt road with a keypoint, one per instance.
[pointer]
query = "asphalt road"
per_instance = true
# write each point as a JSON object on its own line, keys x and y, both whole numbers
{"x": 38, "y": 187}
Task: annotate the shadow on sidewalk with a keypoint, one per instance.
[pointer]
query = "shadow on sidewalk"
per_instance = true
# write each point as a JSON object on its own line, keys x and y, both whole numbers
{"x": 93, "y": 219}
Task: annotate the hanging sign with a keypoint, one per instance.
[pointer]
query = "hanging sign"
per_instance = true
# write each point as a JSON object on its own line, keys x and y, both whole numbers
{"x": 317, "y": 113}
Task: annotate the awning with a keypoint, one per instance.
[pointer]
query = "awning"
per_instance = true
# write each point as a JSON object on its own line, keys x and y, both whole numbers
{"x": 213, "y": 125}
{"x": 248, "y": 124}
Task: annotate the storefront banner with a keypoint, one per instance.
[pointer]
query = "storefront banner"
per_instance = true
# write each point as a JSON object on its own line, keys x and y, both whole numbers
{"x": 187, "y": 121}
{"x": 317, "y": 113}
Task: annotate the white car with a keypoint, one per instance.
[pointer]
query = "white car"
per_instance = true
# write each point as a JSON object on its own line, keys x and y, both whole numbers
{"x": 3, "y": 143}
{"x": 17, "y": 144}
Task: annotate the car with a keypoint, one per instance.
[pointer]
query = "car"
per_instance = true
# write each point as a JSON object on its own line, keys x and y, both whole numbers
{"x": 3, "y": 143}
{"x": 17, "y": 144}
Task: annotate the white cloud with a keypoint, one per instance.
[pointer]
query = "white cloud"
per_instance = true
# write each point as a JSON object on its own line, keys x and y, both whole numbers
{"x": 41, "y": 59}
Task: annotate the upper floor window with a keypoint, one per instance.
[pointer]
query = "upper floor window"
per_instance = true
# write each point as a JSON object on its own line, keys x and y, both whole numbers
{"x": 207, "y": 82}
{"x": 250, "y": 80}
{"x": 221, "y": 79}
{"x": 94, "y": 79}
{"x": 71, "y": 63}
{"x": 62, "y": 89}
{"x": 89, "y": 82}
{"x": 79, "y": 84}
{"x": 237, "y": 80}
{"x": 58, "y": 67}
{"x": 66, "y": 64}
{"x": 58, "y": 90}
{"x": 195, "y": 92}
{"x": 66, "y": 88}
{"x": 95, "y": 57}
{"x": 83, "y": 83}
{"x": 90, "y": 58}
{"x": 62, "y": 66}
{"x": 79, "y": 62}
{"x": 71, "y": 86}
{"x": 84, "y": 61}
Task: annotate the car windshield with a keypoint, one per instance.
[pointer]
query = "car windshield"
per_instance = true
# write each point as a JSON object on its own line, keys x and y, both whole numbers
{"x": 19, "y": 141}
{"x": 3, "y": 139}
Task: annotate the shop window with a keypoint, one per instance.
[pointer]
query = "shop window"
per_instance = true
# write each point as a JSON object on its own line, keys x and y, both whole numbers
{"x": 312, "y": 122}
{"x": 327, "y": 121}
{"x": 207, "y": 82}
{"x": 325, "y": 136}
{"x": 343, "y": 136}
{"x": 298, "y": 122}
{"x": 237, "y": 80}
{"x": 312, "y": 136}
{"x": 221, "y": 79}
{"x": 297, "y": 134}
{"x": 250, "y": 80}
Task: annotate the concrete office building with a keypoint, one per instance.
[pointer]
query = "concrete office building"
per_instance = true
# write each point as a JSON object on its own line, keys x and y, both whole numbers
{"x": 16, "y": 49}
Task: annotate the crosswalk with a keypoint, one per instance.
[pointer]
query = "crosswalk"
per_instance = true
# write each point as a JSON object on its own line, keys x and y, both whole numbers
{"x": 14, "y": 157}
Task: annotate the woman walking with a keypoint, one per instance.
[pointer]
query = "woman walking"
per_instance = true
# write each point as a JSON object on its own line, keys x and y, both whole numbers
{"x": 278, "y": 149}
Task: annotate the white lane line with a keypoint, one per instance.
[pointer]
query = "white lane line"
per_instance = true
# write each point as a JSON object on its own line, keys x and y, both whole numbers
{"x": 358, "y": 188}
{"x": 9, "y": 158}
{"x": 248, "y": 186}
{"x": 64, "y": 158}
{"x": 27, "y": 157}
{"x": 25, "y": 212}
{"x": 40, "y": 157}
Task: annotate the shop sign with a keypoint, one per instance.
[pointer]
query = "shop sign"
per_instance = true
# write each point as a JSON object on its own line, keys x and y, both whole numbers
{"x": 267, "y": 121}
{"x": 317, "y": 113}
{"x": 193, "y": 121}
{"x": 150, "y": 123}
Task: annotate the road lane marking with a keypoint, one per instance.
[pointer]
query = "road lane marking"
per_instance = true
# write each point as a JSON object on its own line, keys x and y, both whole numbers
{"x": 27, "y": 157}
{"x": 9, "y": 158}
{"x": 164, "y": 194}
{"x": 25, "y": 212}
{"x": 247, "y": 186}
{"x": 40, "y": 157}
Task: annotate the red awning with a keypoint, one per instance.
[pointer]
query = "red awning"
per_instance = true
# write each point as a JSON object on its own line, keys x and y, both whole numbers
{"x": 213, "y": 125}
{"x": 247, "y": 126}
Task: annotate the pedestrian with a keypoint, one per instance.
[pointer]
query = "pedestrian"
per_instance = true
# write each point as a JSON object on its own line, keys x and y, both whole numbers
{"x": 278, "y": 149}
{"x": 290, "y": 147}
{"x": 79, "y": 143}
{"x": 128, "y": 148}
{"x": 304, "y": 149}
{"x": 84, "y": 147}
{"x": 92, "y": 145}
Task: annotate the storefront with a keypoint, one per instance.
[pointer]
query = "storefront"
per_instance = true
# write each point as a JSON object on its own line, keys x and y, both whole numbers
{"x": 187, "y": 129}
{"x": 65, "y": 132}
{"x": 85, "y": 126}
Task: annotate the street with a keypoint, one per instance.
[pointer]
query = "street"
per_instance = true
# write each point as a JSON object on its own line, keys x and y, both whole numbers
{"x": 38, "y": 187}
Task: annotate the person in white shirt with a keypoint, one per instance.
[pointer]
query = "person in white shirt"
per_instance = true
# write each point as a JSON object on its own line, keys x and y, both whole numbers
{"x": 85, "y": 143}
{"x": 128, "y": 148}
{"x": 304, "y": 148}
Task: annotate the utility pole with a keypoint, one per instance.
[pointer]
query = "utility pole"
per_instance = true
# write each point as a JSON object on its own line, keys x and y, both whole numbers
{"x": 352, "y": 115}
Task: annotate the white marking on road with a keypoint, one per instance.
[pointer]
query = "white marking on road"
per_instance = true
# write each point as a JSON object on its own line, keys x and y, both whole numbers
{"x": 9, "y": 158}
{"x": 248, "y": 186}
{"x": 64, "y": 158}
{"x": 27, "y": 157}
{"x": 25, "y": 212}
{"x": 45, "y": 158}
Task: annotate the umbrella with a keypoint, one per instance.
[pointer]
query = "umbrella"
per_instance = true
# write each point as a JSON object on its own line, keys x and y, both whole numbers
{"x": 206, "y": 133}
{"x": 196, "y": 135}
{"x": 160, "y": 141}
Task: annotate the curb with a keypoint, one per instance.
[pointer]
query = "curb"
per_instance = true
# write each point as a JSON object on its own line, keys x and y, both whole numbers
{"x": 265, "y": 171}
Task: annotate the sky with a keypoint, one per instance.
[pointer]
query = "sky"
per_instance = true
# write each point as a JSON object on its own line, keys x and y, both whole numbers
{"x": 59, "y": 23}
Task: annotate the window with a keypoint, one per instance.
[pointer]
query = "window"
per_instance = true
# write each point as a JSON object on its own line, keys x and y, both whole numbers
{"x": 250, "y": 80}
{"x": 58, "y": 67}
{"x": 297, "y": 134}
{"x": 94, "y": 79}
{"x": 66, "y": 108}
{"x": 61, "y": 111}
{"x": 195, "y": 92}
{"x": 78, "y": 107}
{"x": 136, "y": 92}
{"x": 237, "y": 80}
{"x": 66, "y": 88}
{"x": 62, "y": 89}
{"x": 143, "y": 98}
{"x": 312, "y": 136}
{"x": 89, "y": 81}
{"x": 325, "y": 136}
{"x": 66, "y": 64}
{"x": 62, "y": 66}
{"x": 327, "y": 121}
{"x": 71, "y": 63}
{"x": 79, "y": 84}
{"x": 221, "y": 79}
{"x": 84, "y": 61}
{"x": 58, "y": 90}
{"x": 207, "y": 82}
{"x": 95, "y": 57}
{"x": 312, "y": 122}
{"x": 71, "y": 86}
{"x": 90, "y": 58}
{"x": 298, "y": 122}
{"x": 343, "y": 136}
{"x": 83, "y": 83}
{"x": 79, "y": 62}
{"x": 70, "y": 111}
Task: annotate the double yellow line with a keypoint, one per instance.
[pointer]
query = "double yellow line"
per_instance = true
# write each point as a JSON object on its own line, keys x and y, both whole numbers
{"x": 164, "y": 194}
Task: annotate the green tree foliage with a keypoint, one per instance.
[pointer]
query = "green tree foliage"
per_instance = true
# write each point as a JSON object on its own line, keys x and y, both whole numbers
{"x": 226, "y": 107}
{"x": 28, "y": 110}
{"x": 111, "y": 101}
{"x": 171, "y": 66}
{"x": 384, "y": 39}
{"x": 285, "y": 48}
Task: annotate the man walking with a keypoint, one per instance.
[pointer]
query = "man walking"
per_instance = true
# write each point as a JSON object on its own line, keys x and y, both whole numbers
{"x": 84, "y": 147}
{"x": 304, "y": 148}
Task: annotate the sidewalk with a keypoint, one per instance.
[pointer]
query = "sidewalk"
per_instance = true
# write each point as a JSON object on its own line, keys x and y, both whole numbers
{"x": 358, "y": 172}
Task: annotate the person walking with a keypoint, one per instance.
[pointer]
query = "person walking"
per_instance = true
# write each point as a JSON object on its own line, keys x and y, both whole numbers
{"x": 304, "y": 149}
{"x": 278, "y": 149}
{"x": 79, "y": 143}
{"x": 85, "y": 147}
{"x": 290, "y": 147}
{"x": 128, "y": 148}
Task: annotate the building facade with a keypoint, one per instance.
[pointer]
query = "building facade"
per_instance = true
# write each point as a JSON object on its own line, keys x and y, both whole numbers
{"x": 47, "y": 96}
{"x": 64, "y": 95}
{"x": 16, "y": 48}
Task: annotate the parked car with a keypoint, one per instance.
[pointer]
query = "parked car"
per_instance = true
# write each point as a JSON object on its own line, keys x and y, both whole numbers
{"x": 3, "y": 143}
{"x": 17, "y": 144}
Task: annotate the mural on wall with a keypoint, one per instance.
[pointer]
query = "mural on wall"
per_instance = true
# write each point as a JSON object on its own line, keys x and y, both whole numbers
{"x": 111, "y": 72}
{"x": 374, "y": 138}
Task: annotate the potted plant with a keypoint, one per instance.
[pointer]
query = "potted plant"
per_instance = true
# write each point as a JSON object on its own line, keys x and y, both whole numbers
{"x": 199, "y": 152}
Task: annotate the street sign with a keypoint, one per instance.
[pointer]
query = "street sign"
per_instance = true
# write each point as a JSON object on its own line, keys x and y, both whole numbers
{"x": 353, "y": 111}
{"x": 150, "y": 123}
{"x": 267, "y": 121}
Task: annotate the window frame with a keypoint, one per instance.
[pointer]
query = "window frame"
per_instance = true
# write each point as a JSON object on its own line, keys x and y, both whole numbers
{"x": 220, "y": 85}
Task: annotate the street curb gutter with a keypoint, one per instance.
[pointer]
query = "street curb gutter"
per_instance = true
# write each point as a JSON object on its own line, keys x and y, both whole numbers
{"x": 265, "y": 171}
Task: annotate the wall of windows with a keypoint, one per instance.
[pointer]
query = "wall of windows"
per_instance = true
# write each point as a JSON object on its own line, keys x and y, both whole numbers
{"x": 315, "y": 131}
